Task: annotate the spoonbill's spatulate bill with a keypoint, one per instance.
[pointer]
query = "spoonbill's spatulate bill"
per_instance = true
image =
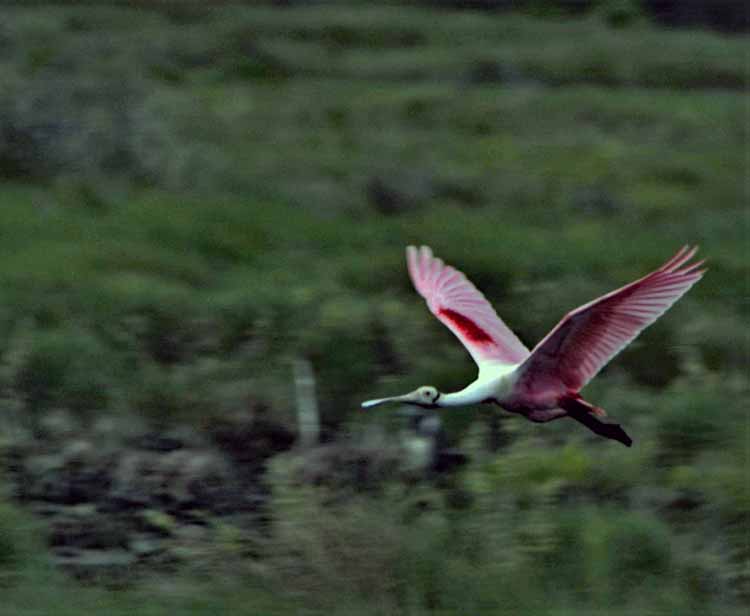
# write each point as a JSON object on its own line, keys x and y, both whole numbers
{"x": 542, "y": 384}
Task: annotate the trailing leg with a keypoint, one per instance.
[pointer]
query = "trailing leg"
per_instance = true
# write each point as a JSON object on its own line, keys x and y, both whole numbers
{"x": 582, "y": 412}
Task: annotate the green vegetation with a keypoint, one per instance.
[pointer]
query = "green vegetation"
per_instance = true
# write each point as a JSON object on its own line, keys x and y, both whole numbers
{"x": 193, "y": 197}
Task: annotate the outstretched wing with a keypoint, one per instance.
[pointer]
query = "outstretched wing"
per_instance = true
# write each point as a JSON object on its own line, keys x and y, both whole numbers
{"x": 590, "y": 336}
{"x": 463, "y": 309}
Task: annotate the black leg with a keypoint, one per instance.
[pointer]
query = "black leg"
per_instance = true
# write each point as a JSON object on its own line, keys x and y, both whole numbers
{"x": 607, "y": 430}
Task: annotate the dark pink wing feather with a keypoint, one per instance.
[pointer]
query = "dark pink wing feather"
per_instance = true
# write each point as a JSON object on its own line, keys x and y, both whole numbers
{"x": 588, "y": 337}
{"x": 463, "y": 309}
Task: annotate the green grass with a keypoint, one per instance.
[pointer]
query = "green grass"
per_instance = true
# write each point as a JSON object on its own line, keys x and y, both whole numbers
{"x": 193, "y": 198}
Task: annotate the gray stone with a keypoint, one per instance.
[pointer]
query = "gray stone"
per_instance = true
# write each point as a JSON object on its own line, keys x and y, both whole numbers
{"x": 78, "y": 453}
{"x": 145, "y": 545}
{"x": 59, "y": 424}
{"x": 94, "y": 559}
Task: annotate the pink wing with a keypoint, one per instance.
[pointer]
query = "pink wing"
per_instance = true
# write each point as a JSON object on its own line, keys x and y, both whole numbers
{"x": 463, "y": 309}
{"x": 590, "y": 336}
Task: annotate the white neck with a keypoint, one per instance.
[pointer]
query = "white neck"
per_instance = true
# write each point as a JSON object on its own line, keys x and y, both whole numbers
{"x": 473, "y": 394}
{"x": 494, "y": 382}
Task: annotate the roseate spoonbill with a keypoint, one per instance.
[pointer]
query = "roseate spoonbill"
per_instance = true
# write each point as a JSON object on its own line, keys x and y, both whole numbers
{"x": 543, "y": 384}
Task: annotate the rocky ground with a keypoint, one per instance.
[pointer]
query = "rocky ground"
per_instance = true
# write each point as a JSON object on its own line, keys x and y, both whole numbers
{"x": 111, "y": 502}
{"x": 119, "y": 500}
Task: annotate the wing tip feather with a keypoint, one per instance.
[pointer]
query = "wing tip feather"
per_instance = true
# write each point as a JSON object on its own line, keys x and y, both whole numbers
{"x": 682, "y": 256}
{"x": 692, "y": 268}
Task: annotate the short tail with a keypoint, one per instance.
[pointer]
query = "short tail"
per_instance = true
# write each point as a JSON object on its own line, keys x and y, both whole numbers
{"x": 585, "y": 413}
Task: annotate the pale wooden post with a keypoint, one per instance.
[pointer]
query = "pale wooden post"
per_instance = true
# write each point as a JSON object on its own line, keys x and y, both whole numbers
{"x": 308, "y": 418}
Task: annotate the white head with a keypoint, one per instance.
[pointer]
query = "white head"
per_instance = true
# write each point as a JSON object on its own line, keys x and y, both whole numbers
{"x": 426, "y": 396}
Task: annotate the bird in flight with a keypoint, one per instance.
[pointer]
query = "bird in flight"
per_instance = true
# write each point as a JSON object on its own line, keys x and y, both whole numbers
{"x": 545, "y": 383}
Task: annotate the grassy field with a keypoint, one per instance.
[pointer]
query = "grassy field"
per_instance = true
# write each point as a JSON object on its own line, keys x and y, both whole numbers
{"x": 192, "y": 198}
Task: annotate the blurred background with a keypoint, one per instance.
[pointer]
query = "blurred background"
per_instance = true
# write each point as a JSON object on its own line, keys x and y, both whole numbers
{"x": 203, "y": 214}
